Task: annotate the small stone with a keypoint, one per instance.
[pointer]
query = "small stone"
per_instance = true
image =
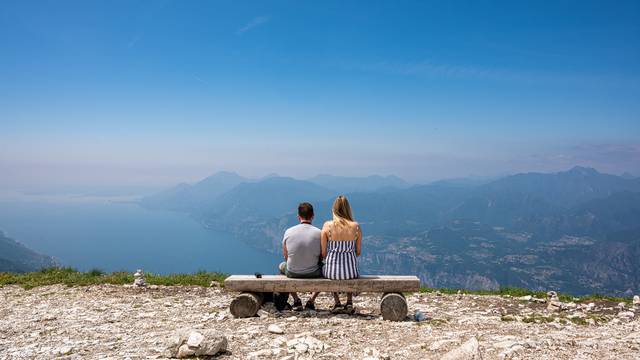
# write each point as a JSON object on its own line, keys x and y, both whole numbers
{"x": 195, "y": 339}
{"x": 214, "y": 284}
{"x": 525, "y": 298}
{"x": 187, "y": 343}
{"x": 470, "y": 350}
{"x": 621, "y": 306}
{"x": 64, "y": 350}
{"x": 636, "y": 300}
{"x": 275, "y": 329}
{"x": 553, "y": 296}
{"x": 626, "y": 314}
{"x": 555, "y": 305}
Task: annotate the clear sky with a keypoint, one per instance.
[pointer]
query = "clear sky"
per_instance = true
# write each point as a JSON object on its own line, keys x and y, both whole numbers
{"x": 158, "y": 92}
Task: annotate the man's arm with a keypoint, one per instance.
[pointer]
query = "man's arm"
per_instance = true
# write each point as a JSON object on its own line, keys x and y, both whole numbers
{"x": 284, "y": 248}
{"x": 284, "y": 251}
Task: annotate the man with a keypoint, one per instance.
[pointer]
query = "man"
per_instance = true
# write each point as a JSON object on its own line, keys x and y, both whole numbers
{"x": 301, "y": 249}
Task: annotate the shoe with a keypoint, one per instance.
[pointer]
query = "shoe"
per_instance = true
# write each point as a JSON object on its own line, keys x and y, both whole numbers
{"x": 309, "y": 306}
{"x": 297, "y": 305}
{"x": 349, "y": 309}
{"x": 337, "y": 308}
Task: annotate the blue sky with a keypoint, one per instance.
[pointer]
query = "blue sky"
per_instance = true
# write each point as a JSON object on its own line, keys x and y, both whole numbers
{"x": 158, "y": 92}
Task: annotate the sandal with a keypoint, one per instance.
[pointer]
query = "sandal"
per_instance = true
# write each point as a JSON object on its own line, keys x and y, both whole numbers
{"x": 348, "y": 308}
{"x": 297, "y": 305}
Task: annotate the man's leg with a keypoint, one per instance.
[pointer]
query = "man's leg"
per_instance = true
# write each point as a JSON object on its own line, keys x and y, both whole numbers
{"x": 283, "y": 270}
{"x": 312, "y": 300}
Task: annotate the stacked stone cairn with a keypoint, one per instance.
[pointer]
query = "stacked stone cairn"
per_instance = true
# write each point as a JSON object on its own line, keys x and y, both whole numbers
{"x": 138, "y": 279}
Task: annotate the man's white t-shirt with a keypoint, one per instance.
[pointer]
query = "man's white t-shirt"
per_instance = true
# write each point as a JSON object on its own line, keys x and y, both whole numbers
{"x": 303, "y": 248}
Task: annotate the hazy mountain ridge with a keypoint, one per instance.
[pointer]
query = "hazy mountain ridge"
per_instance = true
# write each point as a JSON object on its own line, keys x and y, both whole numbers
{"x": 343, "y": 184}
{"x": 15, "y": 257}
{"x": 573, "y": 230}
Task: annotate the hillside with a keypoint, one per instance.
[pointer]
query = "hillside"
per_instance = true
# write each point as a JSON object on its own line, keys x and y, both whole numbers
{"x": 119, "y": 322}
{"x": 15, "y": 257}
{"x": 576, "y": 230}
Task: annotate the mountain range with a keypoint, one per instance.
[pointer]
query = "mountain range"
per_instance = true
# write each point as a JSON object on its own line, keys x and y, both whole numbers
{"x": 576, "y": 231}
{"x": 15, "y": 257}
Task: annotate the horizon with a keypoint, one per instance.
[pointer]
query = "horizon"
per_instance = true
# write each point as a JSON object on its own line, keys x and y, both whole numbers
{"x": 124, "y": 192}
{"x": 150, "y": 94}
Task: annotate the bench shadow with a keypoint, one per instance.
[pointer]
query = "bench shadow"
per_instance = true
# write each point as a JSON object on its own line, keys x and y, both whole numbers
{"x": 323, "y": 314}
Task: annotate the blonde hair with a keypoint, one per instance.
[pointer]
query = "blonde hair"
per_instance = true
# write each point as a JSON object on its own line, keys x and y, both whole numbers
{"x": 341, "y": 210}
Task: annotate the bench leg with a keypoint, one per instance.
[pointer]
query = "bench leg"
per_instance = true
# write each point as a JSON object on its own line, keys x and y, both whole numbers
{"x": 393, "y": 307}
{"x": 246, "y": 305}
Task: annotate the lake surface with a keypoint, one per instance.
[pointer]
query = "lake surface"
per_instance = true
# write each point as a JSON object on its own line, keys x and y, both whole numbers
{"x": 124, "y": 236}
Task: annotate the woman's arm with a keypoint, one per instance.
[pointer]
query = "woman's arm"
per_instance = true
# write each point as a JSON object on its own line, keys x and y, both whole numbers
{"x": 323, "y": 241}
{"x": 359, "y": 241}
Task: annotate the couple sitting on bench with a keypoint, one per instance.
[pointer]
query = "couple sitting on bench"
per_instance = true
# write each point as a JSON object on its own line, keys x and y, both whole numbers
{"x": 331, "y": 252}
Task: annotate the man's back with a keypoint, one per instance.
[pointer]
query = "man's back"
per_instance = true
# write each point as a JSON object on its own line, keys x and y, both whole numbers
{"x": 303, "y": 248}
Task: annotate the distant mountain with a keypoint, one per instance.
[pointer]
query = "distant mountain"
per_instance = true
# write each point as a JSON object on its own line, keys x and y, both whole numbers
{"x": 343, "y": 184}
{"x": 15, "y": 257}
{"x": 188, "y": 198}
{"x": 575, "y": 231}
{"x": 268, "y": 198}
{"x": 564, "y": 189}
{"x": 519, "y": 198}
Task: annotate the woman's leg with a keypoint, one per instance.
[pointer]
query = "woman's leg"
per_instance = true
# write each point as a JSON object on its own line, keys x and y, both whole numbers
{"x": 336, "y": 298}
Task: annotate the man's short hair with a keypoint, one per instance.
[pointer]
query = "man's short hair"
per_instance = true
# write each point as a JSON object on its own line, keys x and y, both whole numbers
{"x": 305, "y": 210}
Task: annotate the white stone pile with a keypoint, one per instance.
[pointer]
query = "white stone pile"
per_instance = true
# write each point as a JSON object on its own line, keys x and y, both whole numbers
{"x": 138, "y": 279}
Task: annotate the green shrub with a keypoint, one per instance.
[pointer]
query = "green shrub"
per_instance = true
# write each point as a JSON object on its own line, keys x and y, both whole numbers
{"x": 72, "y": 277}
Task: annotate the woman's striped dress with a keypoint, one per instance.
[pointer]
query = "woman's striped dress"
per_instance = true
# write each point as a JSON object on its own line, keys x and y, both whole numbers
{"x": 341, "y": 262}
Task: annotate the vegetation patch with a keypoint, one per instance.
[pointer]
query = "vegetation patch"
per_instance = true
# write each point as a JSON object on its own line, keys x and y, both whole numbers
{"x": 73, "y": 277}
{"x": 519, "y": 292}
{"x": 535, "y": 318}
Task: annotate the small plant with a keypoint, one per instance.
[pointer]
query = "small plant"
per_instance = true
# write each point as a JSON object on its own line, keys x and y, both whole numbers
{"x": 508, "y": 318}
{"x": 535, "y": 318}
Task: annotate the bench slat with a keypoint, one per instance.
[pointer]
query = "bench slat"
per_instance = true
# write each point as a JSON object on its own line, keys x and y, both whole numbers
{"x": 281, "y": 283}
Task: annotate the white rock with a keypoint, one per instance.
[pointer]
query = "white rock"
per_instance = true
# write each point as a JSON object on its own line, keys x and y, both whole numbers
{"x": 187, "y": 343}
{"x": 626, "y": 314}
{"x": 525, "y": 298}
{"x": 259, "y": 353}
{"x": 195, "y": 339}
{"x": 64, "y": 350}
{"x": 470, "y": 350}
{"x": 510, "y": 352}
{"x": 636, "y": 300}
{"x": 275, "y": 329}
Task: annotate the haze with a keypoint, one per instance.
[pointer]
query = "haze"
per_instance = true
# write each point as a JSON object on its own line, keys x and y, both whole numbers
{"x": 152, "y": 93}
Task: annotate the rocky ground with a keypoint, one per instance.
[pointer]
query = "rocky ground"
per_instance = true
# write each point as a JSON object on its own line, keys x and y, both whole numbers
{"x": 120, "y": 322}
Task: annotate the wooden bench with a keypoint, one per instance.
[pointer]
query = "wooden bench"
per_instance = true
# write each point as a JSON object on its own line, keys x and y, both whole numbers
{"x": 393, "y": 305}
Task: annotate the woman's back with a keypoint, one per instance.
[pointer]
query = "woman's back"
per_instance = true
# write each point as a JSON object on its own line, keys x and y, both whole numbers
{"x": 342, "y": 248}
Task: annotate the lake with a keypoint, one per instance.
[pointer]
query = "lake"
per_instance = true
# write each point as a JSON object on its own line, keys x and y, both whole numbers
{"x": 115, "y": 236}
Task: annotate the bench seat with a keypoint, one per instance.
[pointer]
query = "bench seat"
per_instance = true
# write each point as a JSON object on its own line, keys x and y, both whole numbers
{"x": 281, "y": 283}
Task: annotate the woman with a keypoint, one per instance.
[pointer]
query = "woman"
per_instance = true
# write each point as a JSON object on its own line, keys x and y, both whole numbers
{"x": 341, "y": 241}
